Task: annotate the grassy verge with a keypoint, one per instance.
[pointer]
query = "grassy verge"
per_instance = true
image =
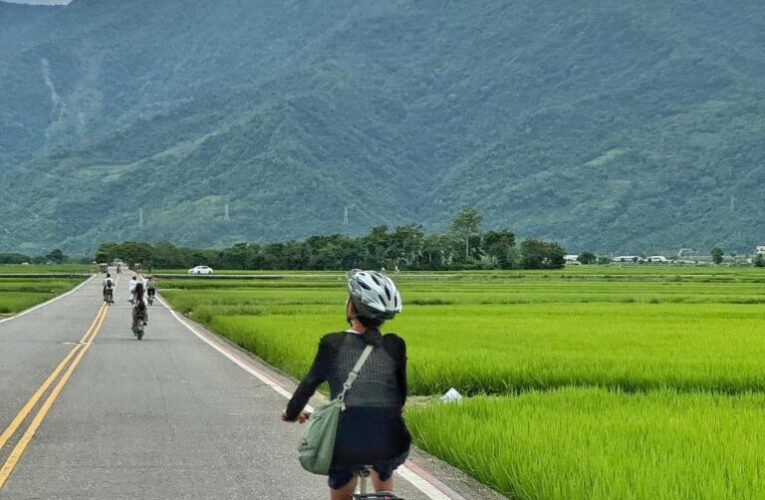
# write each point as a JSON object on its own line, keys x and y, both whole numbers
{"x": 621, "y": 383}
{"x": 40, "y": 269}
{"x": 514, "y": 336}
{"x": 595, "y": 444}
{"x": 17, "y": 294}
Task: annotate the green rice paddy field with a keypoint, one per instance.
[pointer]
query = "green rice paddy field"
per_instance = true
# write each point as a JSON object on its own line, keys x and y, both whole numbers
{"x": 49, "y": 269}
{"x": 21, "y": 291}
{"x": 644, "y": 382}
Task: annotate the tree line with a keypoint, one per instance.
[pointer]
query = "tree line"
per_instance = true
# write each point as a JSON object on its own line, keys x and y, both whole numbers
{"x": 407, "y": 247}
{"x": 56, "y": 257}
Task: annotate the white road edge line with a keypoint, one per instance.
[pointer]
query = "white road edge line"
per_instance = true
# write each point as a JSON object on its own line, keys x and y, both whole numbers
{"x": 48, "y": 302}
{"x": 415, "y": 479}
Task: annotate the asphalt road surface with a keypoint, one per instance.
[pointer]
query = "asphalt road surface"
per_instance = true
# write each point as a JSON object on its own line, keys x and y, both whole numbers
{"x": 88, "y": 411}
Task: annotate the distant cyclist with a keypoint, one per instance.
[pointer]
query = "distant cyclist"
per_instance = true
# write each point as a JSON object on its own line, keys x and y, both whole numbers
{"x": 140, "y": 312}
{"x": 131, "y": 288}
{"x": 108, "y": 290}
{"x": 371, "y": 430}
{"x": 151, "y": 289}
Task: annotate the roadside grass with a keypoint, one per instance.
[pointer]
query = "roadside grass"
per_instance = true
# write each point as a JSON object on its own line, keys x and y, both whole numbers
{"x": 46, "y": 269}
{"x": 626, "y": 383}
{"x": 499, "y": 349}
{"x": 249, "y": 272}
{"x": 20, "y": 301}
{"x": 17, "y": 294}
{"x": 595, "y": 444}
{"x": 507, "y": 289}
{"x": 513, "y": 336}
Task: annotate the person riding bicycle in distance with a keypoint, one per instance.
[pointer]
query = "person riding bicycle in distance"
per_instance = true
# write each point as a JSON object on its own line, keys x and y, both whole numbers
{"x": 131, "y": 288}
{"x": 140, "y": 312}
{"x": 371, "y": 430}
{"x": 151, "y": 286}
{"x": 108, "y": 289}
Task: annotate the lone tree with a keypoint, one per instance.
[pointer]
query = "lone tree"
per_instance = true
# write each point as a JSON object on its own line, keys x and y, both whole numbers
{"x": 498, "y": 245}
{"x": 759, "y": 260}
{"x": 56, "y": 256}
{"x": 587, "y": 258}
{"x": 465, "y": 226}
{"x": 536, "y": 254}
{"x": 717, "y": 255}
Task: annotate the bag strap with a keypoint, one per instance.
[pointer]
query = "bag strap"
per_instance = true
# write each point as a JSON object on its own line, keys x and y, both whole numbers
{"x": 355, "y": 371}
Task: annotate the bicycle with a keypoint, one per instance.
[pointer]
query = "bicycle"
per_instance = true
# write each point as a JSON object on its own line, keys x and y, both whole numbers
{"x": 362, "y": 494}
{"x": 139, "y": 330}
{"x": 139, "y": 323}
{"x": 109, "y": 296}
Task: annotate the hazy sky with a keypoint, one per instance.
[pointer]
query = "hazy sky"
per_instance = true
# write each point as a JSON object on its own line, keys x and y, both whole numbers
{"x": 40, "y": 2}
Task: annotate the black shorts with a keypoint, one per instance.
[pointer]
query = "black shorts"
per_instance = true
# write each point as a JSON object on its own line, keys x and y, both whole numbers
{"x": 368, "y": 436}
{"x": 340, "y": 475}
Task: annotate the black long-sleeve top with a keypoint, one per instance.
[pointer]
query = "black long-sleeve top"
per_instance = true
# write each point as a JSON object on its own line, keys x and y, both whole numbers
{"x": 381, "y": 382}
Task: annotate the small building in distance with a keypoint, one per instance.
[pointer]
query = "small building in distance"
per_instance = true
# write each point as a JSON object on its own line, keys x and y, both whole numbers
{"x": 626, "y": 259}
{"x": 658, "y": 259}
{"x": 571, "y": 259}
{"x": 759, "y": 250}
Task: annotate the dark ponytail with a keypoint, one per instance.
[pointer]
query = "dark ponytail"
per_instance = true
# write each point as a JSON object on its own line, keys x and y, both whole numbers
{"x": 138, "y": 291}
{"x": 371, "y": 335}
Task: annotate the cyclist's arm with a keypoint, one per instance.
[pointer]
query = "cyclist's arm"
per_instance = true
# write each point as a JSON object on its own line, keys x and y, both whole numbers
{"x": 400, "y": 358}
{"x": 401, "y": 375}
{"x": 316, "y": 375}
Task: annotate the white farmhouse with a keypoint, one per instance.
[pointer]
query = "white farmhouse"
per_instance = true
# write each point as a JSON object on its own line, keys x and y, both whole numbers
{"x": 659, "y": 259}
{"x": 571, "y": 259}
{"x": 626, "y": 259}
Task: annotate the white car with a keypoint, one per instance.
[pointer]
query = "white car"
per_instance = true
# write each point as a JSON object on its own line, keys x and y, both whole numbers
{"x": 201, "y": 270}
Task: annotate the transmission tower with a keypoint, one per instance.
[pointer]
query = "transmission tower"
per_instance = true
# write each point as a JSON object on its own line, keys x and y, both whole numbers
{"x": 345, "y": 217}
{"x": 140, "y": 217}
{"x": 226, "y": 216}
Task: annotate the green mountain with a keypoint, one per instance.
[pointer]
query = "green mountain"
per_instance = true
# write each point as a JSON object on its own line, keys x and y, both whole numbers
{"x": 607, "y": 126}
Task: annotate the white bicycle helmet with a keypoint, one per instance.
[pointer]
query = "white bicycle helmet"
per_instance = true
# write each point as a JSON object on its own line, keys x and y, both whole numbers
{"x": 373, "y": 294}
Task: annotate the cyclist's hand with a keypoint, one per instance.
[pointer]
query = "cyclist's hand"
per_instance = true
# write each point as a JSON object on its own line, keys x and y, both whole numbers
{"x": 304, "y": 415}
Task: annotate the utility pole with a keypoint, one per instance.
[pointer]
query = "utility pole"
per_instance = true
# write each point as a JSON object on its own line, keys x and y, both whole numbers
{"x": 140, "y": 217}
{"x": 346, "y": 221}
{"x": 226, "y": 216}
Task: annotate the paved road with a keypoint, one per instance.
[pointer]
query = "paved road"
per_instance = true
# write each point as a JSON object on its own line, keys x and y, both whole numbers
{"x": 166, "y": 417}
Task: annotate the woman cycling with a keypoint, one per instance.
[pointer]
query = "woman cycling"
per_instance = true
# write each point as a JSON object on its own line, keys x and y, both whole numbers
{"x": 371, "y": 430}
{"x": 139, "y": 309}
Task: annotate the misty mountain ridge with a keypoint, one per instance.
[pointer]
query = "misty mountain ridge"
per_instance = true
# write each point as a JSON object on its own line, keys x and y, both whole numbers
{"x": 602, "y": 125}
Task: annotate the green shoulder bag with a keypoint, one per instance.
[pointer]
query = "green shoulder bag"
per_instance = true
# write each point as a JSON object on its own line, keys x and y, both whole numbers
{"x": 318, "y": 442}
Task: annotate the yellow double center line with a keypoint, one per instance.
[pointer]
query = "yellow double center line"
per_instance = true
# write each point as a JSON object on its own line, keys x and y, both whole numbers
{"x": 67, "y": 366}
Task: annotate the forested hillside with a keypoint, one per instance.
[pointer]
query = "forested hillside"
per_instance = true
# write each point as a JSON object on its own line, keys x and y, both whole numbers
{"x": 606, "y": 126}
